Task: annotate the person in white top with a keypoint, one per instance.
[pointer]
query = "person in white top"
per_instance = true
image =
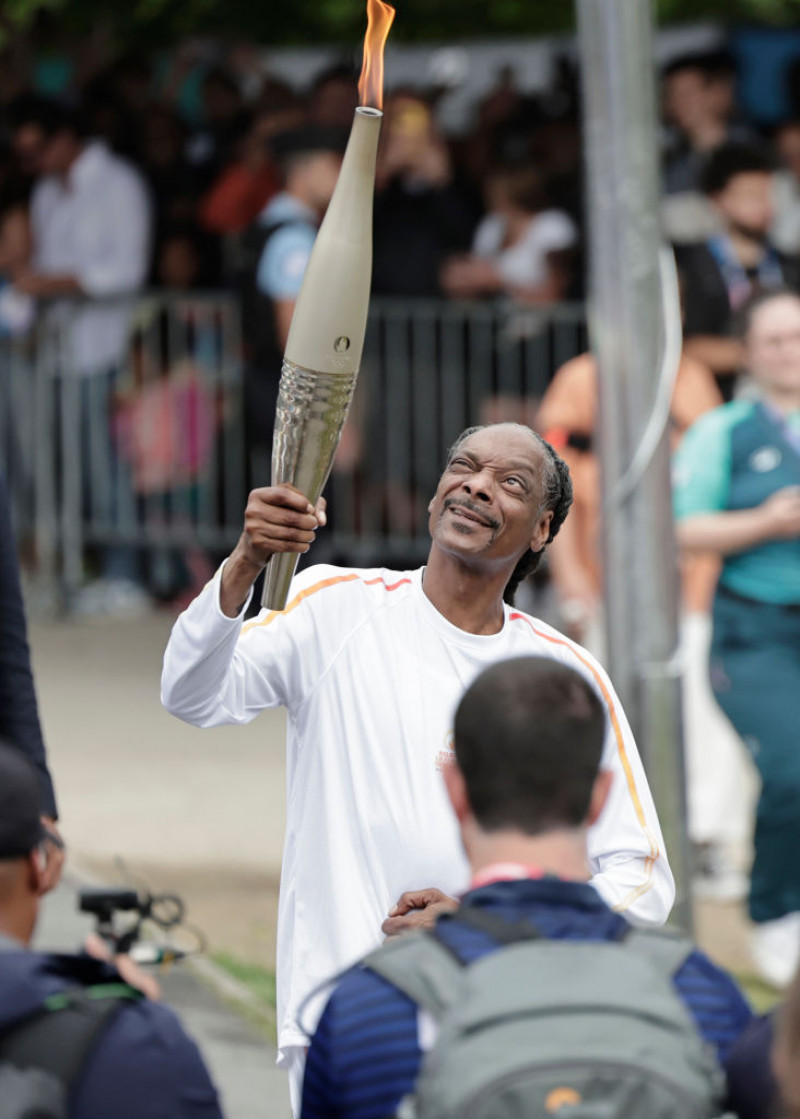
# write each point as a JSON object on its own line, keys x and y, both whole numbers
{"x": 92, "y": 224}
{"x": 521, "y": 248}
{"x": 370, "y": 665}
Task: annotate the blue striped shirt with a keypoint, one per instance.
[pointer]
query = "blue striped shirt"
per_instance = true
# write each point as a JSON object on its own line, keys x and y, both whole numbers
{"x": 365, "y": 1055}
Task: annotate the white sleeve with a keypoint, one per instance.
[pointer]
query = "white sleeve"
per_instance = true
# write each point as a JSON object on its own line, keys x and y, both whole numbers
{"x": 218, "y": 670}
{"x": 626, "y": 848}
{"x": 488, "y": 238}
{"x": 120, "y": 265}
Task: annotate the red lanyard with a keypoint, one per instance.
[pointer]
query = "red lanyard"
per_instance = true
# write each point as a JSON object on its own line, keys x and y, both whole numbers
{"x": 504, "y": 872}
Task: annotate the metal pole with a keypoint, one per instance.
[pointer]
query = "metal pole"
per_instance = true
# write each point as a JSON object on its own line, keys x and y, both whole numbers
{"x": 629, "y": 338}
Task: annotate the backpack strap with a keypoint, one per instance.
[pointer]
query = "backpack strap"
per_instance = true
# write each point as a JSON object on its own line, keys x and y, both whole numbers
{"x": 499, "y": 930}
{"x": 59, "y": 1037}
{"x": 426, "y": 969}
{"x": 422, "y": 968}
{"x": 667, "y": 951}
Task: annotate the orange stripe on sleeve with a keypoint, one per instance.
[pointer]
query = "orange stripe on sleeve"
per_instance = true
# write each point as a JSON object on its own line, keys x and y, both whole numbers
{"x": 623, "y": 757}
{"x": 321, "y": 586}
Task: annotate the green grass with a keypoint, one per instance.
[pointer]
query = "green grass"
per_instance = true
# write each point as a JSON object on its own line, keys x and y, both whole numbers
{"x": 759, "y": 994}
{"x": 260, "y": 981}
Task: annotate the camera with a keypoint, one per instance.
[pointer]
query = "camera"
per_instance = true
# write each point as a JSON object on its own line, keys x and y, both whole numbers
{"x": 164, "y": 910}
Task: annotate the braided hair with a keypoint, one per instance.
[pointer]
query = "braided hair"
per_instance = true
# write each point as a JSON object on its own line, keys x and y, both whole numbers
{"x": 557, "y": 498}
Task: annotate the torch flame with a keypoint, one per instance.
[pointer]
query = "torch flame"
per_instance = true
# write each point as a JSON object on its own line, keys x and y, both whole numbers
{"x": 370, "y": 84}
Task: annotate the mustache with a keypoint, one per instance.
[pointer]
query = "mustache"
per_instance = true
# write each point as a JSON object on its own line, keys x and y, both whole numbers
{"x": 481, "y": 514}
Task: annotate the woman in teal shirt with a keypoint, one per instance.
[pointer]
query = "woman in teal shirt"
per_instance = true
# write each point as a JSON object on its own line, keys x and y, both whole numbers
{"x": 737, "y": 493}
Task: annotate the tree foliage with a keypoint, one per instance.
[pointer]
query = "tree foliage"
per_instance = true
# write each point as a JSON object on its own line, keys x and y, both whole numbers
{"x": 158, "y": 22}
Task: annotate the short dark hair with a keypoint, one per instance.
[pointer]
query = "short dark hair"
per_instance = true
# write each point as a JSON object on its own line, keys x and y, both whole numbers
{"x": 557, "y": 498}
{"x": 711, "y": 64}
{"x": 730, "y": 160}
{"x": 529, "y": 737}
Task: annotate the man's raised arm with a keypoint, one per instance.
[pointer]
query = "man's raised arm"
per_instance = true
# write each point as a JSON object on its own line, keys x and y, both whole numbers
{"x": 207, "y": 678}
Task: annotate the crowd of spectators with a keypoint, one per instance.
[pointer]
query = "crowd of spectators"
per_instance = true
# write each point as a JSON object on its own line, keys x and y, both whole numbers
{"x": 497, "y": 211}
{"x": 199, "y": 135}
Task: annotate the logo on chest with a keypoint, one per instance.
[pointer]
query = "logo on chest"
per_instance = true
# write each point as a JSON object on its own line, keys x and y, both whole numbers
{"x": 447, "y": 753}
{"x": 765, "y": 459}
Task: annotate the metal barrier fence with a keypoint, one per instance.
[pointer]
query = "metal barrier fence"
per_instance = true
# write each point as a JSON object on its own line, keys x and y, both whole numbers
{"x": 122, "y": 425}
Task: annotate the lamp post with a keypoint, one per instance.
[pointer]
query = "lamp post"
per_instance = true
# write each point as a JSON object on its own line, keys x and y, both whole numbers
{"x": 635, "y": 333}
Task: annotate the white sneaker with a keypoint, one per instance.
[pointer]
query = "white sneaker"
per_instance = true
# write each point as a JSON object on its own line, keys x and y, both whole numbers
{"x": 776, "y": 949}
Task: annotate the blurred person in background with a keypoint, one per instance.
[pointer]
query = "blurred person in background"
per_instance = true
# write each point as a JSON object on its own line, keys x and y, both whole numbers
{"x": 568, "y": 419}
{"x": 133, "y": 80}
{"x": 275, "y": 252}
{"x": 721, "y": 273}
{"x": 87, "y": 1020}
{"x": 17, "y": 310}
{"x": 521, "y": 249}
{"x": 166, "y": 422}
{"x": 737, "y": 493}
{"x": 224, "y": 121}
{"x": 785, "y": 232}
{"x": 698, "y": 94}
{"x": 91, "y": 222}
{"x": 423, "y": 211}
{"x": 333, "y": 97}
{"x": 20, "y": 726}
{"x": 173, "y": 184}
{"x": 247, "y": 183}
{"x": 186, "y": 258}
{"x": 499, "y": 109}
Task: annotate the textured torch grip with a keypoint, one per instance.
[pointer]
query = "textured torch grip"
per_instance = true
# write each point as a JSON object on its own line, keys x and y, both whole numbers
{"x": 311, "y": 411}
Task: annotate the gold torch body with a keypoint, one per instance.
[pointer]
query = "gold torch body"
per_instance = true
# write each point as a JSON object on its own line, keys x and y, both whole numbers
{"x": 326, "y": 339}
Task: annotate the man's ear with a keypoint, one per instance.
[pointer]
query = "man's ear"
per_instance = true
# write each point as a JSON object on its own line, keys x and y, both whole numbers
{"x": 600, "y": 794}
{"x": 456, "y": 791}
{"x": 541, "y": 531}
{"x": 34, "y": 870}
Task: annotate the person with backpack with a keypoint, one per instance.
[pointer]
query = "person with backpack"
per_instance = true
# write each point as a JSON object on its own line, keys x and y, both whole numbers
{"x": 534, "y": 994}
{"x": 76, "y": 1040}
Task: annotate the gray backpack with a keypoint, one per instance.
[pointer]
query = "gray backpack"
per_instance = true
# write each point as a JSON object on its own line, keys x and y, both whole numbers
{"x": 543, "y": 1027}
{"x": 43, "y": 1056}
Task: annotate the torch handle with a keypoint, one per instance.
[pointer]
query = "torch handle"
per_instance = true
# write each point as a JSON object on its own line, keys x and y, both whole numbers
{"x": 311, "y": 411}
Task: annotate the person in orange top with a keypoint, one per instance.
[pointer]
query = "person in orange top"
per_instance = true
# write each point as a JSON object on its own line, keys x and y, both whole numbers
{"x": 567, "y": 418}
{"x": 244, "y": 187}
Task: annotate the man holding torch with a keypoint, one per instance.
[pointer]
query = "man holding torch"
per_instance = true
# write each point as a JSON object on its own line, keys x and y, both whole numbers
{"x": 370, "y": 665}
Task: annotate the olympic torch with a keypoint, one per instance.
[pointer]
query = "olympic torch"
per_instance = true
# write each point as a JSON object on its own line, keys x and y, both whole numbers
{"x": 326, "y": 336}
